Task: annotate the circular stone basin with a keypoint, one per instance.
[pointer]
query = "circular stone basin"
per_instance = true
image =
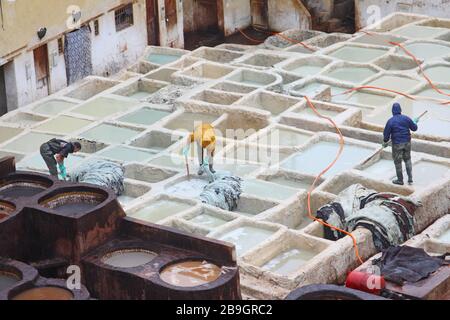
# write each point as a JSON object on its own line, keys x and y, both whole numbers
{"x": 6, "y": 209}
{"x": 15, "y": 189}
{"x": 45, "y": 293}
{"x": 190, "y": 273}
{"x": 128, "y": 258}
{"x": 8, "y": 280}
{"x": 74, "y": 202}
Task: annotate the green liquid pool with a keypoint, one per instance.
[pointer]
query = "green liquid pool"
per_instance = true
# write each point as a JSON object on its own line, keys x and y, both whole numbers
{"x": 110, "y": 134}
{"x": 160, "y": 210}
{"x": 103, "y": 107}
{"x": 246, "y": 238}
{"x": 289, "y": 262}
{"x": 313, "y": 160}
{"x": 126, "y": 154}
{"x": 162, "y": 59}
{"x": 53, "y": 107}
{"x": 144, "y": 116}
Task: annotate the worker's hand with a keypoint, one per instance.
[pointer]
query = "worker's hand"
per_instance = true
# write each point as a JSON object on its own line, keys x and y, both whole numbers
{"x": 63, "y": 171}
{"x": 186, "y": 151}
{"x": 385, "y": 145}
{"x": 416, "y": 121}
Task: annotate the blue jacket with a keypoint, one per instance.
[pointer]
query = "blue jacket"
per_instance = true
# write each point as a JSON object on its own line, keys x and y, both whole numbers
{"x": 399, "y": 127}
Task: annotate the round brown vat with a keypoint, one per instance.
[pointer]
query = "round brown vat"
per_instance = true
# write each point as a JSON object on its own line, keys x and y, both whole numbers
{"x": 6, "y": 209}
{"x": 330, "y": 292}
{"x": 18, "y": 186}
{"x": 129, "y": 258}
{"x": 191, "y": 273}
{"x": 45, "y": 293}
{"x": 13, "y": 275}
{"x": 74, "y": 202}
{"x": 8, "y": 279}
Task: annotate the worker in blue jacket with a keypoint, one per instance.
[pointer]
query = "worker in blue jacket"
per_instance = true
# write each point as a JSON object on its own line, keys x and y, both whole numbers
{"x": 398, "y": 129}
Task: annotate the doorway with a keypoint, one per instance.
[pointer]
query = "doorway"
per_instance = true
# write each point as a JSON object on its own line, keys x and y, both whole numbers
{"x": 260, "y": 16}
{"x": 3, "y": 100}
{"x": 42, "y": 71}
{"x": 152, "y": 23}
{"x": 201, "y": 23}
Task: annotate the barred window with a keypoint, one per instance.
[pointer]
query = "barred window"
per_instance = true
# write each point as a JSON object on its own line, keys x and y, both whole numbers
{"x": 61, "y": 46}
{"x": 96, "y": 27}
{"x": 124, "y": 17}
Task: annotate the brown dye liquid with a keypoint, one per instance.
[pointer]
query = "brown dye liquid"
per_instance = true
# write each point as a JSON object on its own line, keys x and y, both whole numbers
{"x": 72, "y": 208}
{"x": 20, "y": 191}
{"x": 7, "y": 280}
{"x": 45, "y": 293}
{"x": 190, "y": 273}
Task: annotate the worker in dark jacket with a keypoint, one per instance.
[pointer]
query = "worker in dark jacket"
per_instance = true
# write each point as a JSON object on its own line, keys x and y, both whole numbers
{"x": 55, "y": 151}
{"x": 398, "y": 129}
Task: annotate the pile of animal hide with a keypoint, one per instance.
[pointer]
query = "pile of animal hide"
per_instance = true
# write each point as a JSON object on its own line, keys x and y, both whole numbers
{"x": 390, "y": 217}
{"x": 223, "y": 193}
{"x": 101, "y": 173}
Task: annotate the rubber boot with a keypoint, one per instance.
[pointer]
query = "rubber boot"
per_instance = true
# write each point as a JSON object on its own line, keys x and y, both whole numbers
{"x": 399, "y": 171}
{"x": 408, "y": 164}
{"x": 200, "y": 170}
{"x": 212, "y": 169}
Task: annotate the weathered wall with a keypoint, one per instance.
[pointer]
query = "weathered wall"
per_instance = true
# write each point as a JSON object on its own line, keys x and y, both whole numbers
{"x": 19, "y": 31}
{"x": 322, "y": 9}
{"x": 237, "y": 14}
{"x": 200, "y": 15}
{"x": 288, "y": 14}
{"x": 112, "y": 51}
{"x": 171, "y": 36}
{"x": 188, "y": 15}
{"x": 367, "y": 10}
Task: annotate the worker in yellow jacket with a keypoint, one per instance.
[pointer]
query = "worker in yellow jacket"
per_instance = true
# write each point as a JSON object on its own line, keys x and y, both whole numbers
{"x": 205, "y": 139}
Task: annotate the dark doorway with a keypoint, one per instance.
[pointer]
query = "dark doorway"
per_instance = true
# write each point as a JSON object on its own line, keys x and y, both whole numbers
{"x": 152, "y": 23}
{"x": 42, "y": 71}
{"x": 201, "y": 23}
{"x": 260, "y": 16}
{"x": 3, "y": 101}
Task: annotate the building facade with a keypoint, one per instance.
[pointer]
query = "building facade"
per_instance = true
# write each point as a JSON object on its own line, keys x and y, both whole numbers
{"x": 46, "y": 45}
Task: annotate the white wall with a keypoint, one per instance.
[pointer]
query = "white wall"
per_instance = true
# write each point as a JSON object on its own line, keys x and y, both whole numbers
{"x": 365, "y": 9}
{"x": 286, "y": 14}
{"x": 10, "y": 84}
{"x": 237, "y": 14}
{"x": 175, "y": 37}
{"x": 57, "y": 66}
{"x": 21, "y": 76}
{"x": 111, "y": 50}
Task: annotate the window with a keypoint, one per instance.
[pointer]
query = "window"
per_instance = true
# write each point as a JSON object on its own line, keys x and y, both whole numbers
{"x": 124, "y": 17}
{"x": 60, "y": 46}
{"x": 96, "y": 28}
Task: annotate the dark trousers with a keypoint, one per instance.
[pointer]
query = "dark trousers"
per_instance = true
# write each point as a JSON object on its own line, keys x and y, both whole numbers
{"x": 49, "y": 158}
{"x": 402, "y": 152}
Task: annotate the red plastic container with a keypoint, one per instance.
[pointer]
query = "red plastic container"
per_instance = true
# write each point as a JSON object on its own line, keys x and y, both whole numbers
{"x": 366, "y": 282}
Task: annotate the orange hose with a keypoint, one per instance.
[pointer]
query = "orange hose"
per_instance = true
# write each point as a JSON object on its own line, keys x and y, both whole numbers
{"x": 249, "y": 38}
{"x": 376, "y": 88}
{"x": 421, "y": 69}
{"x": 313, "y": 186}
{"x": 419, "y": 64}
